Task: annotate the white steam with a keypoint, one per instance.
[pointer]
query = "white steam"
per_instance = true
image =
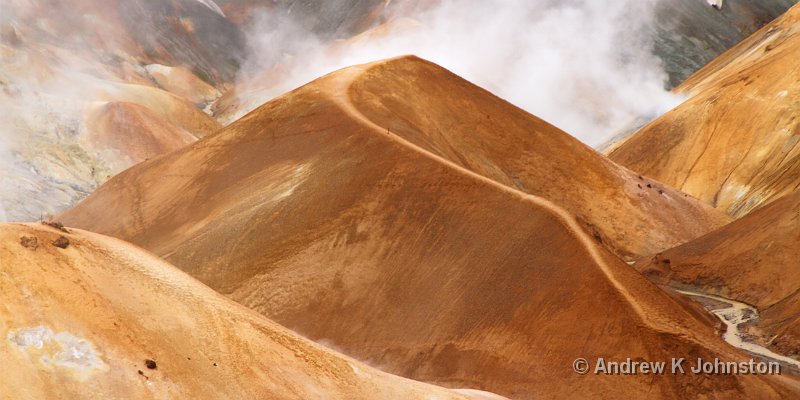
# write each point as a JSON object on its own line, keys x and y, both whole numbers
{"x": 59, "y": 66}
{"x": 43, "y": 165}
{"x": 583, "y": 66}
{"x": 52, "y": 75}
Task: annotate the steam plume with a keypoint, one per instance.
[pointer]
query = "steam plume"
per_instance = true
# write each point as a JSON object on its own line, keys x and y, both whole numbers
{"x": 583, "y": 66}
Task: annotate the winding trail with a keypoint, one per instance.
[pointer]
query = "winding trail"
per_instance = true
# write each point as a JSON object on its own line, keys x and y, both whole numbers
{"x": 733, "y": 316}
{"x": 340, "y": 85}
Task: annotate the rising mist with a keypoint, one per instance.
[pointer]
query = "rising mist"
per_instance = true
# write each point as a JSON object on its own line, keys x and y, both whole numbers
{"x": 586, "y": 67}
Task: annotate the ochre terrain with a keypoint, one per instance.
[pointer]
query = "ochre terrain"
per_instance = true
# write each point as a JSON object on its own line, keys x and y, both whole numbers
{"x": 133, "y": 132}
{"x": 440, "y": 113}
{"x": 753, "y": 260}
{"x": 408, "y": 218}
{"x": 80, "y": 322}
{"x": 451, "y": 118}
{"x": 177, "y": 110}
{"x": 734, "y": 143}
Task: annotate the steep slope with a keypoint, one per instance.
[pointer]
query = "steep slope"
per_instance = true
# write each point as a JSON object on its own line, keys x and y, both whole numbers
{"x": 185, "y": 33}
{"x": 457, "y": 121}
{"x": 352, "y": 235}
{"x": 733, "y": 144}
{"x": 177, "y": 110}
{"x": 177, "y": 32}
{"x": 688, "y": 34}
{"x": 752, "y": 260}
{"x": 133, "y": 132}
{"x": 182, "y": 82}
{"x": 80, "y": 322}
{"x": 275, "y": 77}
{"x": 443, "y": 114}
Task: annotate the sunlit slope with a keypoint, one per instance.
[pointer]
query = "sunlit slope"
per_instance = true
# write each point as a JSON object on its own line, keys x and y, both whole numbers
{"x": 310, "y": 212}
{"x": 733, "y": 144}
{"x": 451, "y": 118}
{"x": 80, "y": 322}
{"x": 132, "y": 133}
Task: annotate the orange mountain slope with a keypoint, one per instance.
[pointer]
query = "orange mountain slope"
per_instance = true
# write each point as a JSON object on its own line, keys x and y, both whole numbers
{"x": 733, "y": 144}
{"x": 451, "y": 118}
{"x": 397, "y": 248}
{"x": 81, "y": 322}
{"x": 751, "y": 260}
{"x": 133, "y": 133}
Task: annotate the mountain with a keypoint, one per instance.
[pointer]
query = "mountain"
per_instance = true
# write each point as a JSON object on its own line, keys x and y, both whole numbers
{"x": 188, "y": 33}
{"x": 183, "y": 83}
{"x": 390, "y": 211}
{"x": 177, "y": 32}
{"x": 133, "y": 132}
{"x": 463, "y": 124}
{"x": 459, "y": 122}
{"x": 61, "y": 65}
{"x": 102, "y": 318}
{"x": 751, "y": 260}
{"x": 733, "y": 142}
{"x": 688, "y": 34}
{"x": 178, "y": 57}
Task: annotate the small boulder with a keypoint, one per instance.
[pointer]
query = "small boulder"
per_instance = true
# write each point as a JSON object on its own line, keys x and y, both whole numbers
{"x": 29, "y": 242}
{"x": 62, "y": 242}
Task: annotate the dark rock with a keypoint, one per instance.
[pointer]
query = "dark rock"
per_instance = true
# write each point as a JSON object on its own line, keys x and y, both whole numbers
{"x": 150, "y": 364}
{"x": 62, "y": 242}
{"x": 29, "y": 242}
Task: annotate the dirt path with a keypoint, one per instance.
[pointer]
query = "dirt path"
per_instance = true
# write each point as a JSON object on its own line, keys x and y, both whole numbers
{"x": 340, "y": 95}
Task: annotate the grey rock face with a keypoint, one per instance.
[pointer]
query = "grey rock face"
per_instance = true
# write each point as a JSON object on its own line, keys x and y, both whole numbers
{"x": 212, "y": 46}
{"x": 688, "y": 34}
